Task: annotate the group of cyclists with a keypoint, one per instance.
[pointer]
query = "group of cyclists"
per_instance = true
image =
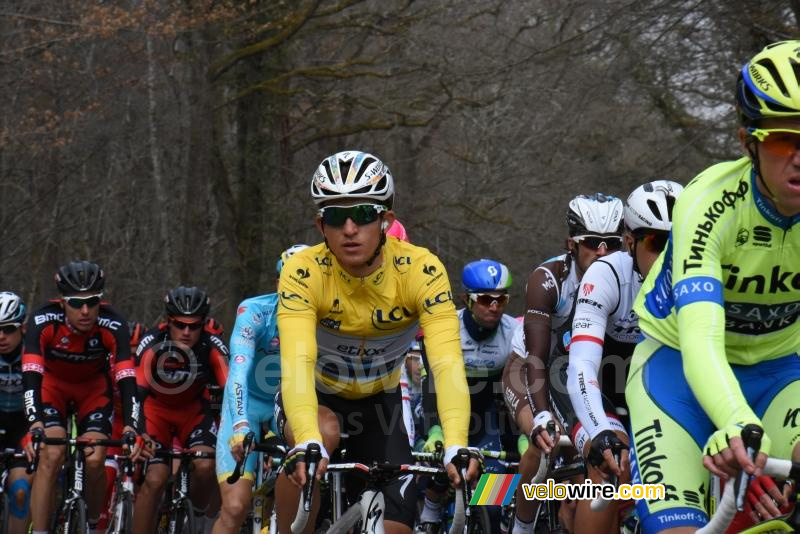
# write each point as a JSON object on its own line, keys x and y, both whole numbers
{"x": 668, "y": 325}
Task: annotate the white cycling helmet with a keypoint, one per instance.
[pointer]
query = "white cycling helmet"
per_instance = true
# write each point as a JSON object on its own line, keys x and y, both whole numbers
{"x": 650, "y": 206}
{"x": 352, "y": 174}
{"x": 597, "y": 214}
{"x": 12, "y": 309}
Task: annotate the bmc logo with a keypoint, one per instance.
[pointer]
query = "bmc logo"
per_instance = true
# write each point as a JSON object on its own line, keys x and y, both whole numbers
{"x": 109, "y": 323}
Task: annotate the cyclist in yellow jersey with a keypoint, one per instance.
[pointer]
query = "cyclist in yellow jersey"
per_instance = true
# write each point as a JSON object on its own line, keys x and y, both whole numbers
{"x": 348, "y": 310}
{"x": 719, "y": 310}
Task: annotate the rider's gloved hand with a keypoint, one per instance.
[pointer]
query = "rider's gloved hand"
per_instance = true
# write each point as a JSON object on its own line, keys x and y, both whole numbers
{"x": 236, "y": 440}
{"x": 604, "y": 447}
{"x": 765, "y": 500}
{"x": 295, "y": 462}
{"x": 452, "y": 464}
{"x": 725, "y": 454}
{"x": 540, "y": 436}
{"x": 434, "y": 434}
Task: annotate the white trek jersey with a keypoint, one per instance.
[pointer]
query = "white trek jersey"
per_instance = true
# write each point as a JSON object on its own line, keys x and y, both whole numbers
{"x": 487, "y": 357}
{"x": 604, "y": 324}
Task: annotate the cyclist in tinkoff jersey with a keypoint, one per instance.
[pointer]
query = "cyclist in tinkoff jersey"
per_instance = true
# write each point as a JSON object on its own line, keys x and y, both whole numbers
{"x": 249, "y": 399}
{"x": 348, "y": 311}
{"x": 595, "y": 227}
{"x": 605, "y": 330}
{"x": 13, "y": 426}
{"x": 485, "y": 344}
{"x": 719, "y": 310}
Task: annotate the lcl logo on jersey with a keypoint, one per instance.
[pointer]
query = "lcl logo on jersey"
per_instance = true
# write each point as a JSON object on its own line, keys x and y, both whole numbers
{"x": 383, "y": 320}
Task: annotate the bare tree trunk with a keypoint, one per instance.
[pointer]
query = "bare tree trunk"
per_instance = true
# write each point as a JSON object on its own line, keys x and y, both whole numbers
{"x": 155, "y": 158}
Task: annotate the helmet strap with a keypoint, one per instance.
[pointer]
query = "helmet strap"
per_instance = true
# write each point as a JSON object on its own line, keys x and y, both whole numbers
{"x": 377, "y": 252}
{"x": 757, "y": 169}
{"x": 633, "y": 255}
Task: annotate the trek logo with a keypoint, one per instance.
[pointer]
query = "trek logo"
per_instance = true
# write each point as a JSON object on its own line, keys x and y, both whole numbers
{"x": 109, "y": 323}
{"x": 49, "y": 316}
{"x": 763, "y": 236}
{"x": 779, "y": 281}
{"x": 587, "y": 289}
{"x": 591, "y": 302}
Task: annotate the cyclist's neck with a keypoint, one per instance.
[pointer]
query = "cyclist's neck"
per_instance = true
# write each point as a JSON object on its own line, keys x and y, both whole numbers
{"x": 476, "y": 331}
{"x": 363, "y": 270}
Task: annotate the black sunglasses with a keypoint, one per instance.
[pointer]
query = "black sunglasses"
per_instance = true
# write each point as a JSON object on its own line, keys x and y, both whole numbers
{"x": 360, "y": 214}
{"x": 180, "y": 325}
{"x": 9, "y": 329}
{"x": 594, "y": 242}
{"x": 79, "y": 302}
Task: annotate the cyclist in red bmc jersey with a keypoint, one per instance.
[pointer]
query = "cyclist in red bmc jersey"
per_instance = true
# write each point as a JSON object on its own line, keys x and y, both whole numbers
{"x": 177, "y": 359}
{"x": 65, "y": 364}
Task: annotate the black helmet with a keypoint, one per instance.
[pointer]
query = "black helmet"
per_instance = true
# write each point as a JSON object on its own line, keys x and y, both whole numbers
{"x": 79, "y": 276}
{"x": 187, "y": 301}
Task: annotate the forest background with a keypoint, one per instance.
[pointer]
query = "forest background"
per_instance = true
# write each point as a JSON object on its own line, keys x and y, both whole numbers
{"x": 173, "y": 142}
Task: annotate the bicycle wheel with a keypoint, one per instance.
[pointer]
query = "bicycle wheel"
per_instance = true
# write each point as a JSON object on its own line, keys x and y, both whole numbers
{"x": 3, "y": 513}
{"x": 75, "y": 518}
{"x": 479, "y": 522}
{"x": 122, "y": 519}
{"x": 181, "y": 520}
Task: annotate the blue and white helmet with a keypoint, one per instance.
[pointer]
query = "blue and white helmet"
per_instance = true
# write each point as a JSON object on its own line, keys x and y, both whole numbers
{"x": 286, "y": 254}
{"x": 12, "y": 309}
{"x": 485, "y": 275}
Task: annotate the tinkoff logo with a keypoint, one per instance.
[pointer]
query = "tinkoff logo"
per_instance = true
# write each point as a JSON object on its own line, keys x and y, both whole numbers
{"x": 495, "y": 489}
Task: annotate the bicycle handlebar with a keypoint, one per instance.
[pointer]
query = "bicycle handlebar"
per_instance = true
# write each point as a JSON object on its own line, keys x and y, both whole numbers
{"x": 776, "y": 467}
{"x": 313, "y": 456}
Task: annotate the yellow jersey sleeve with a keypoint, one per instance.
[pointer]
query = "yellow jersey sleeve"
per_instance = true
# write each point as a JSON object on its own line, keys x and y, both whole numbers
{"x": 439, "y": 323}
{"x": 297, "y": 320}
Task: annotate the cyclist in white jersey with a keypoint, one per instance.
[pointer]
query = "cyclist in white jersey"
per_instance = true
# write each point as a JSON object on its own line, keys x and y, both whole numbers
{"x": 606, "y": 329}
{"x": 595, "y": 227}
